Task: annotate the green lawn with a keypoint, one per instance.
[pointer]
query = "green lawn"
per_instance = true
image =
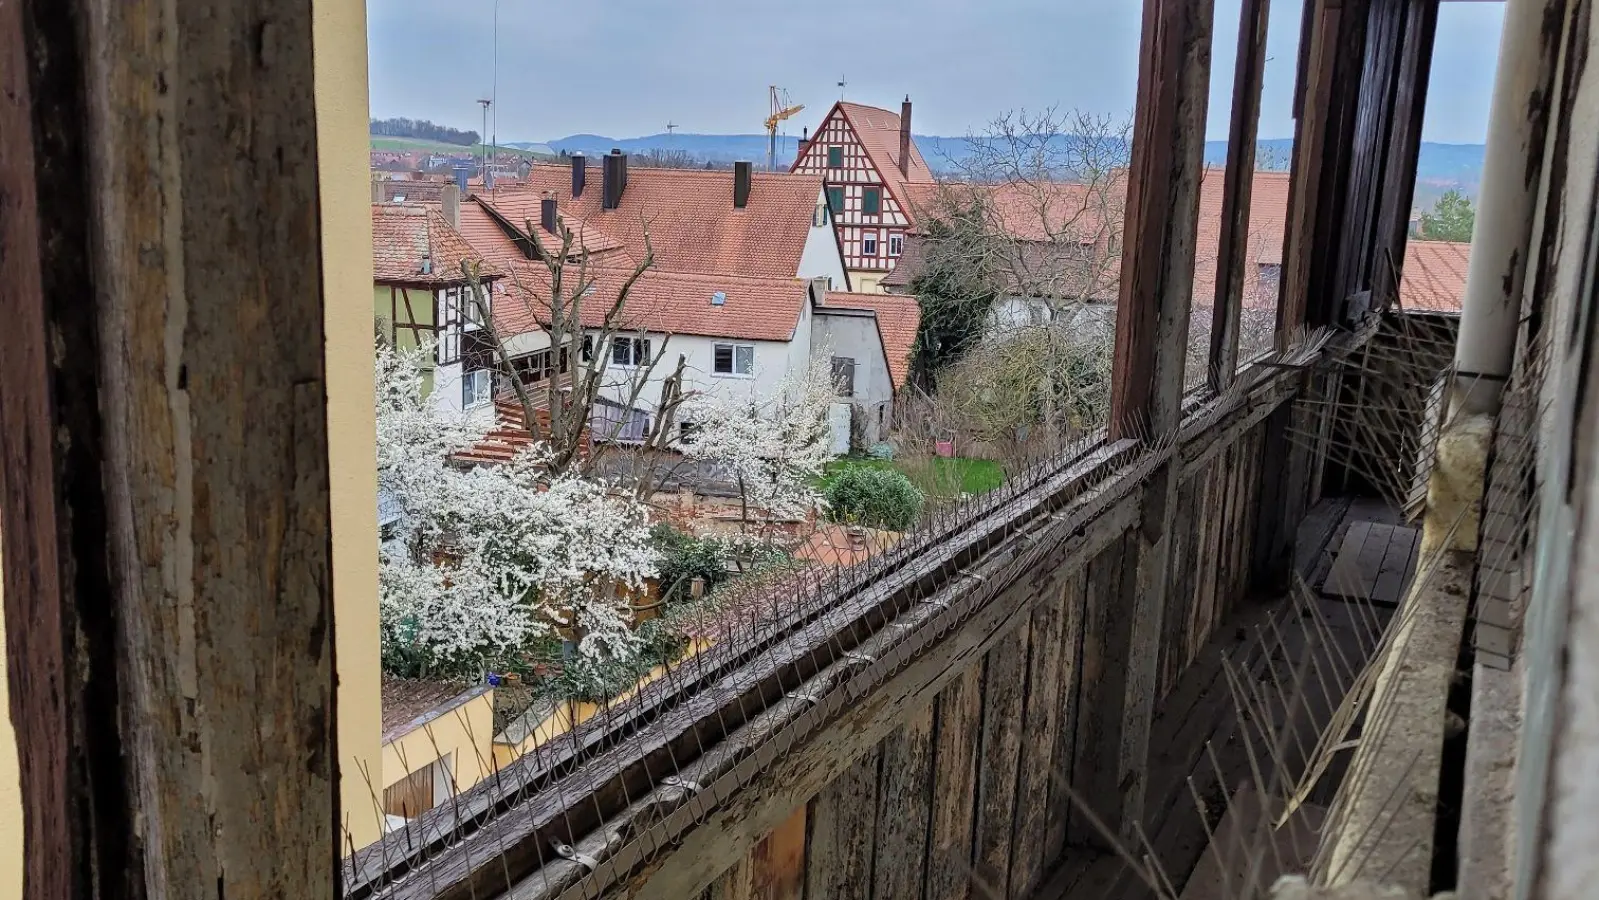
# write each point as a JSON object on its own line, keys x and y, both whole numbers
{"x": 937, "y": 476}
{"x": 385, "y": 142}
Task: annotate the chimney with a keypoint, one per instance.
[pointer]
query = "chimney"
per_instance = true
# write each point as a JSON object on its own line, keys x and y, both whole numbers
{"x": 804, "y": 142}
{"x": 377, "y": 191}
{"x": 461, "y": 175}
{"x": 905, "y": 137}
{"x": 741, "y": 184}
{"x": 580, "y": 174}
{"x": 450, "y": 205}
{"x": 614, "y": 175}
{"x": 547, "y": 212}
{"x": 818, "y": 290}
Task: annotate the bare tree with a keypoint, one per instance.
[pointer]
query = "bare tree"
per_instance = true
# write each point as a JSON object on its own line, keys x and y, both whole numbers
{"x": 1020, "y": 263}
{"x": 583, "y": 309}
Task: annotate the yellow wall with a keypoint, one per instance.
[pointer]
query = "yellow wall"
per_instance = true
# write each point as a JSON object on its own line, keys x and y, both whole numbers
{"x": 467, "y": 731}
{"x": 339, "y": 32}
{"x": 865, "y": 281}
{"x": 385, "y": 298}
{"x": 10, "y": 785}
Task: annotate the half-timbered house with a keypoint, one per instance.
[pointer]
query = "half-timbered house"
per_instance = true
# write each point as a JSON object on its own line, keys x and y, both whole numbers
{"x": 868, "y": 159}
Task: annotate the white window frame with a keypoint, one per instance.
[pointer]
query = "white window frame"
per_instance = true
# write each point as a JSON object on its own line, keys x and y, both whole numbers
{"x": 449, "y": 326}
{"x": 896, "y": 245}
{"x": 869, "y": 239}
{"x": 477, "y": 388}
{"x": 735, "y": 348}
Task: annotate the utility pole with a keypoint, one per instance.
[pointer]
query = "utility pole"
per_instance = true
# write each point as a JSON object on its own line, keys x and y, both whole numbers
{"x": 483, "y": 137}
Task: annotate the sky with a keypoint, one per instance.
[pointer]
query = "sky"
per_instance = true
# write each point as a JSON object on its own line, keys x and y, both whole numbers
{"x": 626, "y": 68}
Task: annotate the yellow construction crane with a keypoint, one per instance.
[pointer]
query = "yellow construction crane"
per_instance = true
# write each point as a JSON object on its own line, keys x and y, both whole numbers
{"x": 781, "y": 109}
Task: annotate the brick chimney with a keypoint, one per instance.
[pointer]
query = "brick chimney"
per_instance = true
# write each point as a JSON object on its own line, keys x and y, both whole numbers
{"x": 450, "y": 205}
{"x": 580, "y": 174}
{"x": 741, "y": 183}
{"x": 614, "y": 177}
{"x": 905, "y": 137}
{"x": 804, "y": 142}
{"x": 547, "y": 217}
{"x": 377, "y": 191}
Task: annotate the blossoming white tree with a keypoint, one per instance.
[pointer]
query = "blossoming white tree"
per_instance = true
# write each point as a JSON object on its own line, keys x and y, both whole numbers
{"x": 486, "y": 561}
{"x": 772, "y": 447}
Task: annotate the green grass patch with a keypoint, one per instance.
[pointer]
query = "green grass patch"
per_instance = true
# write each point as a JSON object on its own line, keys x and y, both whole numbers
{"x": 936, "y": 476}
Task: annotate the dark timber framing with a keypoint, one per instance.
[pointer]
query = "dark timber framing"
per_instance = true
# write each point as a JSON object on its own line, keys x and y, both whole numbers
{"x": 1152, "y": 314}
{"x": 1237, "y": 183}
{"x": 163, "y": 449}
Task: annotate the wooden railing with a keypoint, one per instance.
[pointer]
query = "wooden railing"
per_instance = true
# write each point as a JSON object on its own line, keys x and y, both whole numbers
{"x": 709, "y": 760}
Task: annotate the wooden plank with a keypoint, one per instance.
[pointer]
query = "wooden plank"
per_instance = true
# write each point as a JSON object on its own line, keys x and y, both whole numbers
{"x": 164, "y": 420}
{"x": 1237, "y": 186}
{"x": 1404, "y": 148}
{"x": 773, "y": 870}
{"x": 1388, "y": 589}
{"x": 1106, "y": 629}
{"x": 1247, "y": 854}
{"x": 949, "y": 858}
{"x": 1040, "y": 727}
{"x": 1074, "y": 594}
{"x": 904, "y": 809}
{"x": 1346, "y": 578}
{"x": 1156, "y": 286}
{"x": 999, "y": 760}
{"x": 842, "y": 821}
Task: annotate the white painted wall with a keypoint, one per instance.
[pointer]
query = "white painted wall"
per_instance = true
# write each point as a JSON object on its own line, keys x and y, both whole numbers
{"x": 857, "y": 337}
{"x": 821, "y": 257}
{"x": 772, "y": 362}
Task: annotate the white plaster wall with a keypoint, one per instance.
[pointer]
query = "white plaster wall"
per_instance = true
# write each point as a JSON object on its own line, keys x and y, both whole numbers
{"x": 772, "y": 361}
{"x": 821, "y": 256}
{"x": 858, "y": 338}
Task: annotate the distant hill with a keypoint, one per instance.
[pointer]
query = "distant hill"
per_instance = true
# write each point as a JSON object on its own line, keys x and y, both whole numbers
{"x": 1441, "y": 167}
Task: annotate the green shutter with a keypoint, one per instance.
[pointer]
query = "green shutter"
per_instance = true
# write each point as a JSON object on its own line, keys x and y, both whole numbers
{"x": 835, "y": 199}
{"x": 835, "y": 157}
{"x": 872, "y": 202}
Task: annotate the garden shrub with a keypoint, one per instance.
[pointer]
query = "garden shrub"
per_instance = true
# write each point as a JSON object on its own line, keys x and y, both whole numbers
{"x": 876, "y": 498}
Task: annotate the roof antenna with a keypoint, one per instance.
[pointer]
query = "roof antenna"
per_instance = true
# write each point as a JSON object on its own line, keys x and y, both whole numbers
{"x": 842, "y": 84}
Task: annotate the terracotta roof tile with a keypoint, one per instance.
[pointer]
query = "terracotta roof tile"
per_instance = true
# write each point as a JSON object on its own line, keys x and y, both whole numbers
{"x": 409, "y": 238}
{"x": 688, "y": 214}
{"x": 898, "y": 318}
{"x": 486, "y": 235}
{"x": 878, "y": 131}
{"x": 1434, "y": 276}
{"x": 757, "y": 309}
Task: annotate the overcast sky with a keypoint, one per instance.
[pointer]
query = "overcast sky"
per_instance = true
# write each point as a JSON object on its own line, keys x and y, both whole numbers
{"x": 624, "y": 68}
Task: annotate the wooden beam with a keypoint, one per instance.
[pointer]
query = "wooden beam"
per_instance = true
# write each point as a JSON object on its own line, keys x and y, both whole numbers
{"x": 1404, "y": 148}
{"x": 1147, "y": 387}
{"x": 163, "y": 448}
{"x": 1237, "y": 186}
{"x": 1156, "y": 290}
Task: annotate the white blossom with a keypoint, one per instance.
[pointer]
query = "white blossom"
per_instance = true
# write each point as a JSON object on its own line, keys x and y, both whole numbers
{"x": 773, "y": 447}
{"x": 486, "y": 561}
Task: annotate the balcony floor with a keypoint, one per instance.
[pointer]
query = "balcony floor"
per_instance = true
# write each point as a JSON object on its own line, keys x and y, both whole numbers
{"x": 1283, "y": 661}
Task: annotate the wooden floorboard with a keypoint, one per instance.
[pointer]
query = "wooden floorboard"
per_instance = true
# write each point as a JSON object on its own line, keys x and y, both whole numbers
{"x": 1289, "y": 664}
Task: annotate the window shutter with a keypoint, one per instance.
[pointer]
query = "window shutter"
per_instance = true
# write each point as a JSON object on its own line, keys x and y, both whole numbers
{"x": 835, "y": 199}
{"x": 835, "y": 157}
{"x": 872, "y": 201}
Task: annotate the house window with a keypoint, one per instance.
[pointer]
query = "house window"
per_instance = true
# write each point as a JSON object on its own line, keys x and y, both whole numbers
{"x": 869, "y": 245}
{"x": 872, "y": 201}
{"x": 819, "y": 218}
{"x": 587, "y": 352}
{"x": 896, "y": 244}
{"x": 844, "y": 376}
{"x": 835, "y": 157}
{"x": 449, "y": 349}
{"x": 835, "y": 199}
{"x": 686, "y": 432}
{"x": 733, "y": 359}
{"x": 630, "y": 352}
{"x": 475, "y": 387}
{"x": 471, "y": 314}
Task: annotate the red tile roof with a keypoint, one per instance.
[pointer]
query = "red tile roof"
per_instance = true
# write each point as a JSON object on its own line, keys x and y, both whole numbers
{"x": 1434, "y": 277}
{"x": 757, "y": 309}
{"x": 688, "y": 214}
{"x": 898, "y": 318}
{"x": 480, "y": 229}
{"x": 408, "y": 238}
{"x": 878, "y": 131}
